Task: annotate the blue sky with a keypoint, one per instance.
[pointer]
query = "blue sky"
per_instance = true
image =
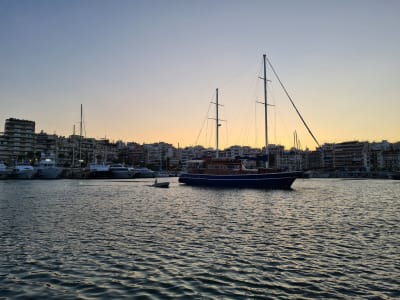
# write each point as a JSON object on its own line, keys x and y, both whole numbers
{"x": 146, "y": 71}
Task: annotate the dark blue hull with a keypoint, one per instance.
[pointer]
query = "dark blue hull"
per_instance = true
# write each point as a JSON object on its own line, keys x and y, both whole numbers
{"x": 279, "y": 180}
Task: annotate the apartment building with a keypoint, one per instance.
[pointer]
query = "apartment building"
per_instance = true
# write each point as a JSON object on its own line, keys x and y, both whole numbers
{"x": 351, "y": 156}
{"x": 18, "y": 140}
{"x": 158, "y": 155}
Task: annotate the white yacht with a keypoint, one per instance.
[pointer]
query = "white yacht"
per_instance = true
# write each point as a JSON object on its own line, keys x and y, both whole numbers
{"x": 47, "y": 168}
{"x": 119, "y": 171}
{"x": 162, "y": 174}
{"x": 97, "y": 170}
{"x": 143, "y": 173}
{"x": 22, "y": 171}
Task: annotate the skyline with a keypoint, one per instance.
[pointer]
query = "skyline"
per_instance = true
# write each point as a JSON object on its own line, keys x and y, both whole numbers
{"x": 146, "y": 71}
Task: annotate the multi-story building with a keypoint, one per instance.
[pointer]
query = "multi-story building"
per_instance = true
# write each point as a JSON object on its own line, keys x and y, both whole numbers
{"x": 90, "y": 150}
{"x": 75, "y": 151}
{"x": 158, "y": 155}
{"x": 276, "y": 157}
{"x": 3, "y": 148}
{"x": 18, "y": 140}
{"x": 313, "y": 160}
{"x": 328, "y": 156}
{"x": 135, "y": 154}
{"x": 195, "y": 152}
{"x": 45, "y": 143}
{"x": 355, "y": 156}
{"x": 351, "y": 156}
{"x": 376, "y": 155}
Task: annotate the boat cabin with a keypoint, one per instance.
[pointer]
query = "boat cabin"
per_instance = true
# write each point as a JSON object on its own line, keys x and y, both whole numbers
{"x": 215, "y": 166}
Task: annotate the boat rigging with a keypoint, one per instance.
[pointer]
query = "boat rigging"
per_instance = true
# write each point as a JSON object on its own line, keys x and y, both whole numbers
{"x": 231, "y": 172}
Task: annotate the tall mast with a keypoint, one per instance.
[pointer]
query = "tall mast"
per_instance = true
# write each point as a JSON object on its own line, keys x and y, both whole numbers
{"x": 266, "y": 112}
{"x": 80, "y": 138}
{"x": 73, "y": 148}
{"x": 217, "y": 124}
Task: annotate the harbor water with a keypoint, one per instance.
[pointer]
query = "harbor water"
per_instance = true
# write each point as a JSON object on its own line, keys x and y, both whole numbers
{"x": 104, "y": 239}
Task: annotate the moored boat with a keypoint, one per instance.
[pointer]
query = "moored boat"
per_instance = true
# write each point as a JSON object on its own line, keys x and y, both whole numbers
{"x": 395, "y": 175}
{"x": 143, "y": 173}
{"x": 162, "y": 174}
{"x": 22, "y": 171}
{"x": 4, "y": 171}
{"x": 96, "y": 170}
{"x": 47, "y": 168}
{"x": 231, "y": 173}
{"x": 119, "y": 171}
{"x": 221, "y": 172}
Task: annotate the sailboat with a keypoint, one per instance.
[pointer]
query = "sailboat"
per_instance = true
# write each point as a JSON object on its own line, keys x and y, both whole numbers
{"x": 222, "y": 172}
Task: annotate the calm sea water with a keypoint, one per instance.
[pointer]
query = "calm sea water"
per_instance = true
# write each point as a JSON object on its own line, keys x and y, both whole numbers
{"x": 69, "y": 239}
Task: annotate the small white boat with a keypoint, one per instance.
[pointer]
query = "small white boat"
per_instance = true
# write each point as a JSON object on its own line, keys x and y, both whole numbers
{"x": 47, "y": 168}
{"x": 164, "y": 184}
{"x": 22, "y": 171}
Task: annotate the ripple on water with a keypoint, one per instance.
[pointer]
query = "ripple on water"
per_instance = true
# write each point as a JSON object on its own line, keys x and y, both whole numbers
{"x": 324, "y": 239}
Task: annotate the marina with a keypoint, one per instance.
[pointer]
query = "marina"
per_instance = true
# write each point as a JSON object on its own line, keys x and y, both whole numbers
{"x": 48, "y": 170}
{"x": 325, "y": 239}
{"x": 153, "y": 150}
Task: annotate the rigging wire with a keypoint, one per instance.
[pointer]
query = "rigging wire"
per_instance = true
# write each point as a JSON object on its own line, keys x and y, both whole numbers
{"x": 247, "y": 123}
{"x": 255, "y": 123}
{"x": 240, "y": 102}
{"x": 211, "y": 135}
{"x": 290, "y": 98}
{"x": 226, "y": 134}
{"x": 202, "y": 126}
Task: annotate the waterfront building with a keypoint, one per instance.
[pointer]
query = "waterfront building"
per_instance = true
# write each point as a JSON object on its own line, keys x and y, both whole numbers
{"x": 376, "y": 155}
{"x": 328, "y": 156}
{"x": 388, "y": 156}
{"x": 351, "y": 156}
{"x": 3, "y": 148}
{"x": 18, "y": 140}
{"x": 45, "y": 143}
{"x": 243, "y": 151}
{"x": 97, "y": 150}
{"x": 193, "y": 152}
{"x": 158, "y": 155}
{"x": 276, "y": 156}
{"x": 132, "y": 154}
{"x": 313, "y": 160}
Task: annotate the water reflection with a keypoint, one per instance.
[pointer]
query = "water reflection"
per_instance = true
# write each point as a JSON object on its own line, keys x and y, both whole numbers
{"x": 123, "y": 239}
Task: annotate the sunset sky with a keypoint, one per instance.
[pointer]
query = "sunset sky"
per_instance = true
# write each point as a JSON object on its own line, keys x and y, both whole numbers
{"x": 146, "y": 71}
